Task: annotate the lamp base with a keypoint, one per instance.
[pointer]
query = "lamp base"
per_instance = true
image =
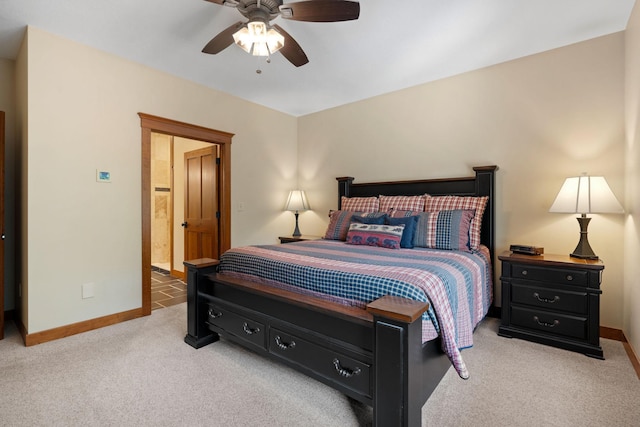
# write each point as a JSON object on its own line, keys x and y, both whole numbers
{"x": 583, "y": 250}
{"x": 296, "y": 231}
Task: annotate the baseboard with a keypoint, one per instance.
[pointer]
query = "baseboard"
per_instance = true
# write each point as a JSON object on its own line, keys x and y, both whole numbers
{"x": 618, "y": 335}
{"x": 178, "y": 274}
{"x": 612, "y": 334}
{"x": 76, "y": 328}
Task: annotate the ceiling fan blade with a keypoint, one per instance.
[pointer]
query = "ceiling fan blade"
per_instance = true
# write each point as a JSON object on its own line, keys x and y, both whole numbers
{"x": 291, "y": 49}
{"x": 222, "y": 40}
{"x": 321, "y": 11}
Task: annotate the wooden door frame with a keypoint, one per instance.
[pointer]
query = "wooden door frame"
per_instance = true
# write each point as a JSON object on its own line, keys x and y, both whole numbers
{"x": 150, "y": 124}
{"x": 2, "y": 191}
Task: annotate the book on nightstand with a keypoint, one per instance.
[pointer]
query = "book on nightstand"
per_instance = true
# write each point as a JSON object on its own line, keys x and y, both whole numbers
{"x": 526, "y": 249}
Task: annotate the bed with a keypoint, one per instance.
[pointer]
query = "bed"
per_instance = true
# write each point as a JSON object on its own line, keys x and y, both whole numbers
{"x": 387, "y": 348}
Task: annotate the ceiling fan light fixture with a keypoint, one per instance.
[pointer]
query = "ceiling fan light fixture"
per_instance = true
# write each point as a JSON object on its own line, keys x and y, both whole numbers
{"x": 256, "y": 38}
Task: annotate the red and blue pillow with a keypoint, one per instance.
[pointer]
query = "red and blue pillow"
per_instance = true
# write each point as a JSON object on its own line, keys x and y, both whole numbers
{"x": 385, "y": 236}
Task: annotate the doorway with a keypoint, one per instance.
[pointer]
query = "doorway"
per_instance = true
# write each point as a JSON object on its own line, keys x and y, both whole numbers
{"x": 184, "y": 207}
{"x": 222, "y": 140}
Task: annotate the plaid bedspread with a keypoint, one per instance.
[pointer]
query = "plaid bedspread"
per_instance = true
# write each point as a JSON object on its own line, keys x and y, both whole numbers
{"x": 457, "y": 285}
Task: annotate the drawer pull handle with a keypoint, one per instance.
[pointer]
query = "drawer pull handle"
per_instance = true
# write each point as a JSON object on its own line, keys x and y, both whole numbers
{"x": 524, "y": 272}
{"x": 547, "y": 324}
{"x": 569, "y": 277}
{"x": 547, "y": 300}
{"x": 249, "y": 331}
{"x": 284, "y": 346}
{"x": 213, "y": 314}
{"x": 345, "y": 372}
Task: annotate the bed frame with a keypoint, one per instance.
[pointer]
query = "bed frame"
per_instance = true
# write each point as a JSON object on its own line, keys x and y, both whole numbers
{"x": 374, "y": 355}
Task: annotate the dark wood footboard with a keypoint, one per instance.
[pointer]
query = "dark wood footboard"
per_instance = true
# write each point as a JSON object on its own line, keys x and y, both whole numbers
{"x": 374, "y": 356}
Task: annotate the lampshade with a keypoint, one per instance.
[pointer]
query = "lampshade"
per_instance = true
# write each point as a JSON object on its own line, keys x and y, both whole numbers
{"x": 586, "y": 194}
{"x": 297, "y": 201}
{"x": 258, "y": 39}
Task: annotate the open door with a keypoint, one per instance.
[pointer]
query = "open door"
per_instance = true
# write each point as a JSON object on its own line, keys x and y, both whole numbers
{"x": 1, "y": 225}
{"x": 201, "y": 210}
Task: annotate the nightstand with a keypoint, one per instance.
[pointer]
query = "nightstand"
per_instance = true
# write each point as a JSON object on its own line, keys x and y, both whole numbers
{"x": 553, "y": 300}
{"x": 290, "y": 239}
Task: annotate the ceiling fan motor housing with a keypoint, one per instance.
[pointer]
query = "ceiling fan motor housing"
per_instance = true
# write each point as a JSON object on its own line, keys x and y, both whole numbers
{"x": 259, "y": 10}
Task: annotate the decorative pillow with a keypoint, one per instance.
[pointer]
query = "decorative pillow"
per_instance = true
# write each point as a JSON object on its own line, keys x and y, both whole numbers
{"x": 477, "y": 204}
{"x": 444, "y": 230}
{"x": 369, "y": 218}
{"x": 339, "y": 222}
{"x": 359, "y": 204}
{"x": 410, "y": 224}
{"x": 386, "y": 236}
{"x": 404, "y": 203}
{"x": 338, "y": 225}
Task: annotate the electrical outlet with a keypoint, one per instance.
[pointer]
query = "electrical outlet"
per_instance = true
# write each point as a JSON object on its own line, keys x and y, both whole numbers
{"x": 87, "y": 290}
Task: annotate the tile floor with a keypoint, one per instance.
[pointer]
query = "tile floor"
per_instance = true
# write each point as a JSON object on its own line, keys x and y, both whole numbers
{"x": 166, "y": 290}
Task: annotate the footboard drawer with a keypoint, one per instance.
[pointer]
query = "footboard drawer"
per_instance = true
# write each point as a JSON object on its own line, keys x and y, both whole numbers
{"x": 325, "y": 362}
{"x": 239, "y": 325}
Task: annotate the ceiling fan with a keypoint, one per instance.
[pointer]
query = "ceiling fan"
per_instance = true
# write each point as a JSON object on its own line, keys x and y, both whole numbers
{"x": 259, "y": 37}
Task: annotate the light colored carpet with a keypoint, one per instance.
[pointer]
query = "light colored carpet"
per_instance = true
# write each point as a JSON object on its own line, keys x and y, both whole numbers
{"x": 142, "y": 373}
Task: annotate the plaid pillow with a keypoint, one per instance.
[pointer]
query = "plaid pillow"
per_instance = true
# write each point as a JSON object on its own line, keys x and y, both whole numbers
{"x": 385, "y": 236}
{"x": 339, "y": 222}
{"x": 359, "y": 204}
{"x": 403, "y": 203}
{"x": 445, "y": 203}
{"x": 394, "y": 213}
{"x": 444, "y": 230}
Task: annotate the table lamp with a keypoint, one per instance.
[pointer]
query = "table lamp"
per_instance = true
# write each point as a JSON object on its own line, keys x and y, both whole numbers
{"x": 585, "y": 194}
{"x": 296, "y": 202}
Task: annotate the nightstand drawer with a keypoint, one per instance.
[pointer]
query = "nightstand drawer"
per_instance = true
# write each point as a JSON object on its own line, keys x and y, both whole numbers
{"x": 550, "y": 298}
{"x": 550, "y": 322}
{"x": 555, "y": 275}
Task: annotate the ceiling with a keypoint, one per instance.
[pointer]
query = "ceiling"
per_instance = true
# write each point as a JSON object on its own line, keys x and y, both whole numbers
{"x": 393, "y": 45}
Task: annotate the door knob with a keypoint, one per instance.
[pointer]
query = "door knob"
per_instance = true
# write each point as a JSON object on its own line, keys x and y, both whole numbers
{"x": 2, "y": 236}
{"x": 184, "y": 224}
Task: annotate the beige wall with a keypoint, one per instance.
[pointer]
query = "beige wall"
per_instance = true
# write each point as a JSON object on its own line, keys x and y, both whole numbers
{"x": 82, "y": 111}
{"x": 632, "y": 153}
{"x": 540, "y": 119}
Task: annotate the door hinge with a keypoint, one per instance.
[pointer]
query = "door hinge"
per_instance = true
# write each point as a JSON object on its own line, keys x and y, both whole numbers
{"x": 218, "y": 215}
{"x": 217, "y": 160}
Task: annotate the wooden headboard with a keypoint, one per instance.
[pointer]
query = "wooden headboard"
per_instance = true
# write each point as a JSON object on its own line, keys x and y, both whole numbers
{"x": 482, "y": 184}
